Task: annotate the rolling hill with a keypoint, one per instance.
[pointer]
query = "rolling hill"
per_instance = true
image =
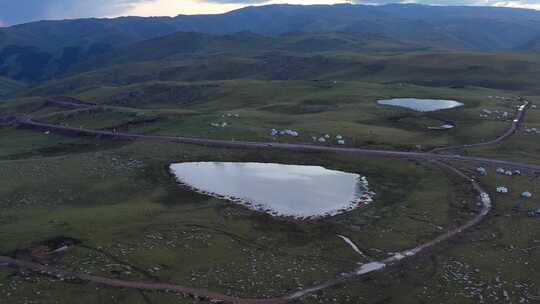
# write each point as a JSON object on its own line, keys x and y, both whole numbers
{"x": 8, "y": 86}
{"x": 34, "y": 65}
{"x": 247, "y": 43}
{"x": 39, "y": 51}
{"x": 262, "y": 41}
{"x": 440, "y": 26}
{"x": 454, "y": 69}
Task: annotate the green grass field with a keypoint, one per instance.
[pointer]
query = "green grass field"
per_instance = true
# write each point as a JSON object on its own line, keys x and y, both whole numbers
{"x": 252, "y": 108}
{"x": 131, "y": 220}
{"x": 123, "y": 201}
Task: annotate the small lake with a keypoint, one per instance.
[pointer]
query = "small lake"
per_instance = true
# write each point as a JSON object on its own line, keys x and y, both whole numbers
{"x": 281, "y": 190}
{"x": 421, "y": 105}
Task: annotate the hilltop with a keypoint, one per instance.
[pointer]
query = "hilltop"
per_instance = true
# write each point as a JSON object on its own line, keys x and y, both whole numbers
{"x": 44, "y": 50}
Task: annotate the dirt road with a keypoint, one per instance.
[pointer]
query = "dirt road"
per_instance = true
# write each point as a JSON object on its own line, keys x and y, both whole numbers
{"x": 516, "y": 123}
{"x": 27, "y": 122}
{"x": 185, "y": 291}
{"x": 483, "y": 197}
{"x": 209, "y": 295}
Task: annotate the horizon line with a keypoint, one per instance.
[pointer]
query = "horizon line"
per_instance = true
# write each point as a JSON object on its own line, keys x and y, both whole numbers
{"x": 4, "y": 26}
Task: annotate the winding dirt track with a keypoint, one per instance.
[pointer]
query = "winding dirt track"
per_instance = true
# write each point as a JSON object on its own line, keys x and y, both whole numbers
{"x": 516, "y": 123}
{"x": 186, "y": 291}
{"x": 209, "y": 295}
{"x": 396, "y": 258}
{"x": 27, "y": 122}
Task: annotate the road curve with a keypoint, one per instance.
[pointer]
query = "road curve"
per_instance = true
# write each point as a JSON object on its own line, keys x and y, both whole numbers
{"x": 398, "y": 257}
{"x": 516, "y": 123}
{"x": 205, "y": 294}
{"x": 186, "y": 291}
{"x": 27, "y": 122}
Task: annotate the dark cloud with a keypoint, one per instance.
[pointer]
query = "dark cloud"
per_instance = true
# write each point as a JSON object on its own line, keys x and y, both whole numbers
{"x": 20, "y": 11}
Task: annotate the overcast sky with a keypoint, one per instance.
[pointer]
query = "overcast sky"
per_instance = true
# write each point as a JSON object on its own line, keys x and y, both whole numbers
{"x": 20, "y": 11}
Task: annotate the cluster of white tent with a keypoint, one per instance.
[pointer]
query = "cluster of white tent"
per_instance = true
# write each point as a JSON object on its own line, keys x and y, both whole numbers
{"x": 507, "y": 172}
{"x": 532, "y": 131}
{"x": 275, "y": 133}
{"x": 502, "y": 115}
{"x": 219, "y": 124}
{"x": 327, "y": 137}
{"x": 503, "y": 189}
{"x": 482, "y": 171}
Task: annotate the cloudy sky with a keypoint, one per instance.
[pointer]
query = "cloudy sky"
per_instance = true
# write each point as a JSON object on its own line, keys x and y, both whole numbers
{"x": 20, "y": 11}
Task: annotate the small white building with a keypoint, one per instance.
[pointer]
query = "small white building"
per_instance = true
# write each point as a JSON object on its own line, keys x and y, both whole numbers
{"x": 291, "y": 133}
{"x": 482, "y": 171}
{"x": 508, "y": 173}
{"x": 502, "y": 189}
{"x": 486, "y": 200}
{"x": 500, "y": 171}
{"x": 447, "y": 126}
{"x": 341, "y": 142}
{"x": 339, "y": 137}
{"x": 322, "y": 140}
{"x": 219, "y": 125}
{"x": 526, "y": 194}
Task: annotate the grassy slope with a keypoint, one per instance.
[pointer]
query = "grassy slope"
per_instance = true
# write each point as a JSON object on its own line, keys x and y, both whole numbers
{"x": 509, "y": 71}
{"x": 312, "y": 108}
{"x": 124, "y": 198}
{"x": 8, "y": 86}
{"x": 119, "y": 197}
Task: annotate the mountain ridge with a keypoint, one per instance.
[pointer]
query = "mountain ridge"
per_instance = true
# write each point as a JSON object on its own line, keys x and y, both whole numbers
{"x": 44, "y": 50}
{"x": 283, "y": 18}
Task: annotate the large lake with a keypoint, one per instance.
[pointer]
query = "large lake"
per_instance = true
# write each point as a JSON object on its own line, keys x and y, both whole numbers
{"x": 281, "y": 190}
{"x": 421, "y": 105}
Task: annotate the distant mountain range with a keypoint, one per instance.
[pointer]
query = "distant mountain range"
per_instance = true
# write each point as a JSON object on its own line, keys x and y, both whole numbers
{"x": 47, "y": 49}
{"x": 8, "y": 86}
{"x": 441, "y": 26}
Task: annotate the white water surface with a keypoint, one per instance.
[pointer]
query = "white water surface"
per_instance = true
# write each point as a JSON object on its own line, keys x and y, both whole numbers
{"x": 282, "y": 190}
{"x": 421, "y": 105}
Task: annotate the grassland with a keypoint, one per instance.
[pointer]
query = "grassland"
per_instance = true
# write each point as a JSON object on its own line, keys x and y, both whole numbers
{"x": 515, "y": 72}
{"x": 251, "y": 108}
{"x": 8, "y": 86}
{"x": 131, "y": 220}
{"x": 123, "y": 205}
